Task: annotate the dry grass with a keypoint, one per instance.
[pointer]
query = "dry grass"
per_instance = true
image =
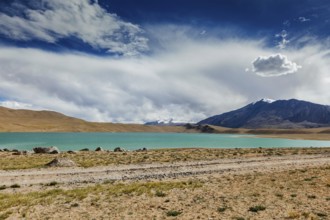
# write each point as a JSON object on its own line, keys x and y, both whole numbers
{"x": 230, "y": 196}
{"x": 92, "y": 159}
{"x": 24, "y": 201}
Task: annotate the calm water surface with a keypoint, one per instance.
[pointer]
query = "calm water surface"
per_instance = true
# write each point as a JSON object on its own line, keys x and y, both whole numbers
{"x": 131, "y": 141}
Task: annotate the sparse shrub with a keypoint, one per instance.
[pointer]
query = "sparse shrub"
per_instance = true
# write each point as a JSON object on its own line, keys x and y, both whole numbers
{"x": 239, "y": 218}
{"x": 53, "y": 183}
{"x": 15, "y": 186}
{"x": 293, "y": 195}
{"x": 279, "y": 195}
{"x": 311, "y": 197}
{"x": 173, "y": 213}
{"x": 160, "y": 193}
{"x": 75, "y": 205}
{"x": 222, "y": 209}
{"x": 320, "y": 214}
{"x": 3, "y": 187}
{"x": 257, "y": 208}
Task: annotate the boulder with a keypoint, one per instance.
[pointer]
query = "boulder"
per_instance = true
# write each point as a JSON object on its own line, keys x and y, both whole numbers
{"x": 61, "y": 162}
{"x": 99, "y": 149}
{"x": 84, "y": 149}
{"x": 46, "y": 150}
{"x": 119, "y": 149}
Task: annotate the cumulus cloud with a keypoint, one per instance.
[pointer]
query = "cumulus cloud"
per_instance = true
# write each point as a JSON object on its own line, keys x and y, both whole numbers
{"x": 51, "y": 20}
{"x": 274, "y": 65}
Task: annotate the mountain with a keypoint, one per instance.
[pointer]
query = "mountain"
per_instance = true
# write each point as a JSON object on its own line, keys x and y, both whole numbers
{"x": 169, "y": 122}
{"x": 268, "y": 113}
{"x": 12, "y": 120}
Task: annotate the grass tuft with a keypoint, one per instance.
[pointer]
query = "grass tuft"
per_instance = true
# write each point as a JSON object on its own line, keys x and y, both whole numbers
{"x": 173, "y": 213}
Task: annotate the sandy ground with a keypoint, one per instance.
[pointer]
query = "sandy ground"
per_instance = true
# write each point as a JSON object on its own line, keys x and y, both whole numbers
{"x": 285, "y": 187}
{"x": 76, "y": 175}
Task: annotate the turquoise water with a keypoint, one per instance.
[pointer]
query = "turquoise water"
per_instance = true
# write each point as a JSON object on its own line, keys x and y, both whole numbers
{"x": 131, "y": 141}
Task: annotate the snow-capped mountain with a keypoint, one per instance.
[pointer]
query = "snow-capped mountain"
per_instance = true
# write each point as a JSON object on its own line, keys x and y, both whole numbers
{"x": 165, "y": 122}
{"x": 268, "y": 113}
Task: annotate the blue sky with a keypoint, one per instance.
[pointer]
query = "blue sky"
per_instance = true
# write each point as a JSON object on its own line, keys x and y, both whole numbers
{"x": 137, "y": 61}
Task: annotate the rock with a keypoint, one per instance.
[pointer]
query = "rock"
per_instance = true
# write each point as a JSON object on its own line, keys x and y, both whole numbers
{"x": 17, "y": 153}
{"x": 71, "y": 152}
{"x": 61, "y": 162}
{"x": 119, "y": 149}
{"x": 99, "y": 149}
{"x": 46, "y": 150}
{"x": 14, "y": 150}
{"x": 6, "y": 149}
{"x": 0, "y": 150}
{"x": 84, "y": 149}
{"x": 142, "y": 149}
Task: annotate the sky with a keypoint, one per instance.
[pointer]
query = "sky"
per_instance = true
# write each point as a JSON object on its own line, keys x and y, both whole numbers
{"x": 135, "y": 61}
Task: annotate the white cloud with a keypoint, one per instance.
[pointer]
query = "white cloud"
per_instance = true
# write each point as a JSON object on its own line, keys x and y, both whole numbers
{"x": 51, "y": 20}
{"x": 303, "y": 19}
{"x": 274, "y": 65}
{"x": 18, "y": 105}
{"x": 283, "y": 39}
{"x": 191, "y": 80}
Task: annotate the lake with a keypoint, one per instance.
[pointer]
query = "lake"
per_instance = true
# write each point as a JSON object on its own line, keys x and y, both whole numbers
{"x": 132, "y": 141}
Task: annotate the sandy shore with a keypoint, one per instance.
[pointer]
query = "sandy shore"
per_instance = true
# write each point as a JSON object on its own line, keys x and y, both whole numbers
{"x": 283, "y": 185}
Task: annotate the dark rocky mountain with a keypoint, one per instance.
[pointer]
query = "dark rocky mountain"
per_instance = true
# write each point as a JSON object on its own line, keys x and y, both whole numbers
{"x": 274, "y": 114}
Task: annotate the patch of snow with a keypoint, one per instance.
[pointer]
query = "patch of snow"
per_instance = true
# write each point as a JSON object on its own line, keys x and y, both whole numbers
{"x": 267, "y": 100}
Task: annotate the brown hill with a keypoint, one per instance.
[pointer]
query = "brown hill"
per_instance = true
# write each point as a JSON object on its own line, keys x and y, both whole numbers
{"x": 48, "y": 121}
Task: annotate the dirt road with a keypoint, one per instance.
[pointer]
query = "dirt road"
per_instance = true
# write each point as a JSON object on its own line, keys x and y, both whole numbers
{"x": 77, "y": 175}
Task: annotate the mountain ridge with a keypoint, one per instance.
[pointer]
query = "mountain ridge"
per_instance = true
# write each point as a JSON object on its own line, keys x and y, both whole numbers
{"x": 290, "y": 113}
